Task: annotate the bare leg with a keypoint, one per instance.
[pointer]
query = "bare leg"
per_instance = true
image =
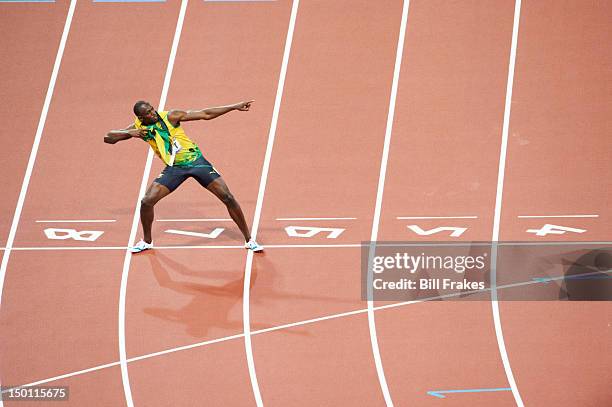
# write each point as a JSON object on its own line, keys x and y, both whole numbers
{"x": 221, "y": 191}
{"x": 154, "y": 193}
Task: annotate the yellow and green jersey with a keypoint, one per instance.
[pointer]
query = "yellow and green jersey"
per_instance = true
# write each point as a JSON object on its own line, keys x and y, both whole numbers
{"x": 170, "y": 143}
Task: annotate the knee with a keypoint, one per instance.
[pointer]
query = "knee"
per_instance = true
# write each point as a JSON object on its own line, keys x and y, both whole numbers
{"x": 148, "y": 201}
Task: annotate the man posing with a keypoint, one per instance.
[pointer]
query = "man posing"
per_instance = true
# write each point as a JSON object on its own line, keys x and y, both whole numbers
{"x": 183, "y": 159}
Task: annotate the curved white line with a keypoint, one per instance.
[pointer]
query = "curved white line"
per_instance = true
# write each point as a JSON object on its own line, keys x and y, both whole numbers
{"x": 274, "y": 329}
{"x": 143, "y": 185}
{"x": 34, "y": 151}
{"x": 378, "y": 207}
{"x": 498, "y": 205}
{"x": 246, "y": 301}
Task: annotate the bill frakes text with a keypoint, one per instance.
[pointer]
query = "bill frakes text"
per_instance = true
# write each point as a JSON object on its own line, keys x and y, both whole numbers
{"x": 428, "y": 284}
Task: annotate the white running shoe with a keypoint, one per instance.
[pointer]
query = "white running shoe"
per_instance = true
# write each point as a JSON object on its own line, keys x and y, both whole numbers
{"x": 141, "y": 246}
{"x": 253, "y": 245}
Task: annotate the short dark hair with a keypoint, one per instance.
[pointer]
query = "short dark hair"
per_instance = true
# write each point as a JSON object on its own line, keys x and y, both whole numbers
{"x": 138, "y": 105}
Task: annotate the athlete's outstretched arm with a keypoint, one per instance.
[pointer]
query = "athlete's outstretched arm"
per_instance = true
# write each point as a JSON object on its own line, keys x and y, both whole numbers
{"x": 177, "y": 116}
{"x": 114, "y": 136}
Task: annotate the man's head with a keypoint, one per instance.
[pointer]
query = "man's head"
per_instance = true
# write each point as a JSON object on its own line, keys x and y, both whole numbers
{"x": 145, "y": 112}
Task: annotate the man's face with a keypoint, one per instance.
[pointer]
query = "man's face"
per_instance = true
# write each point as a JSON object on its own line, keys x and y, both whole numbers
{"x": 147, "y": 115}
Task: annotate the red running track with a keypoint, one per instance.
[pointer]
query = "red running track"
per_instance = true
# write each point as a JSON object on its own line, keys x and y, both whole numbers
{"x": 59, "y": 307}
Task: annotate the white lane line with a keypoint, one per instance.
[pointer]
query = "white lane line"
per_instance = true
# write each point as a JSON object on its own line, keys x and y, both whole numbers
{"x": 62, "y": 376}
{"x": 501, "y": 287}
{"x": 498, "y": 206}
{"x": 316, "y": 218}
{"x": 143, "y": 185}
{"x": 557, "y": 216}
{"x": 195, "y": 220}
{"x": 437, "y": 217}
{"x": 78, "y": 221}
{"x": 246, "y": 316}
{"x": 49, "y": 248}
{"x": 212, "y": 235}
{"x": 310, "y": 246}
{"x": 378, "y": 207}
{"x": 35, "y": 145}
{"x": 282, "y": 327}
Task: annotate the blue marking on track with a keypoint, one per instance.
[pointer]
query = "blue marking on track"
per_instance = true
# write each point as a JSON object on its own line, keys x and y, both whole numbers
{"x": 441, "y": 393}
{"x": 547, "y": 280}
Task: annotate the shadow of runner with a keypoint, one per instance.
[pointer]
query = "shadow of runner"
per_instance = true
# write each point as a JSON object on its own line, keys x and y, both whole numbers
{"x": 211, "y": 305}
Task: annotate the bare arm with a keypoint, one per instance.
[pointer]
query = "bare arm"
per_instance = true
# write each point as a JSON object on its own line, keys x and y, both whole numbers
{"x": 177, "y": 116}
{"x": 114, "y": 136}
